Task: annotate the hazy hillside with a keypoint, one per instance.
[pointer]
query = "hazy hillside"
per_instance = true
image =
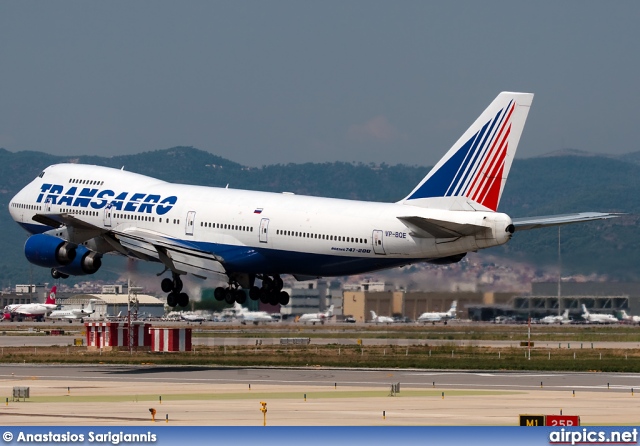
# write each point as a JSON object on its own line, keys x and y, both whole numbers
{"x": 537, "y": 186}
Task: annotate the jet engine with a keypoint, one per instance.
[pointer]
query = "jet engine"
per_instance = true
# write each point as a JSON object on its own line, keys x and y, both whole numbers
{"x": 85, "y": 262}
{"x": 49, "y": 251}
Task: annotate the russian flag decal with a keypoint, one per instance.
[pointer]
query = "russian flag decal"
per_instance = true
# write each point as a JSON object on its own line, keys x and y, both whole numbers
{"x": 258, "y": 211}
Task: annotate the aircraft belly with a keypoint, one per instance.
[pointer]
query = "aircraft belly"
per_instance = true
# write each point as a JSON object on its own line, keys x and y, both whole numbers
{"x": 255, "y": 260}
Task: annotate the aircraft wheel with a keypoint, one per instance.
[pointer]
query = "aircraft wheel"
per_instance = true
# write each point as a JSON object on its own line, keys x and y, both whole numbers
{"x": 283, "y": 298}
{"x": 273, "y": 298}
{"x": 254, "y": 293}
{"x": 172, "y": 300}
{"x": 228, "y": 296}
{"x": 218, "y": 293}
{"x": 240, "y": 296}
{"x": 177, "y": 284}
{"x": 267, "y": 284}
{"x": 166, "y": 285}
{"x": 183, "y": 299}
{"x": 278, "y": 283}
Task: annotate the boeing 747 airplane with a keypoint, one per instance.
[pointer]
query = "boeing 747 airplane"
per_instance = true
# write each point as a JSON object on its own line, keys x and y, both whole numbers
{"x": 79, "y": 213}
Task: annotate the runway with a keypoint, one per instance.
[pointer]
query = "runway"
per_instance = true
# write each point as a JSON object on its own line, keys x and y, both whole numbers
{"x": 122, "y": 395}
{"x": 326, "y": 377}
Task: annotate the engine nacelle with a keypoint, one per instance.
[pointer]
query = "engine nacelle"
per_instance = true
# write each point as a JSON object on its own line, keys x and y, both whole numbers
{"x": 86, "y": 262}
{"x": 49, "y": 251}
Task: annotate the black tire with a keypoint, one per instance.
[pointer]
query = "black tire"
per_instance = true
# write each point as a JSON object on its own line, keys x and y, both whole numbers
{"x": 218, "y": 293}
{"x": 264, "y": 296}
{"x": 183, "y": 299}
{"x": 283, "y": 298}
{"x": 177, "y": 284}
{"x": 55, "y": 274}
{"x": 268, "y": 285}
{"x": 273, "y": 298}
{"x": 254, "y": 293}
{"x": 240, "y": 296}
{"x": 228, "y": 296}
{"x": 166, "y": 285}
{"x": 278, "y": 283}
{"x": 172, "y": 300}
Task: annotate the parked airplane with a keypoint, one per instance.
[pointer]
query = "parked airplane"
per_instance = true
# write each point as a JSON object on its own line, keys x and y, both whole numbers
{"x": 245, "y": 315}
{"x": 314, "y": 318}
{"x": 74, "y": 314}
{"x": 78, "y": 213}
{"x": 380, "y": 319}
{"x": 192, "y": 317}
{"x": 35, "y": 311}
{"x": 628, "y": 318}
{"x": 598, "y": 318}
{"x": 561, "y": 319}
{"x": 437, "y": 316}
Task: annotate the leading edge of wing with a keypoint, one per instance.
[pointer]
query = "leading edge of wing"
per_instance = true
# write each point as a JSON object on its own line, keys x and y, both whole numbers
{"x": 526, "y": 223}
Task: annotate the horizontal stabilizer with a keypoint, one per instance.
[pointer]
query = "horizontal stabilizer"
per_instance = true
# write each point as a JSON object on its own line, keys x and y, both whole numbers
{"x": 522, "y": 224}
{"x": 429, "y": 227}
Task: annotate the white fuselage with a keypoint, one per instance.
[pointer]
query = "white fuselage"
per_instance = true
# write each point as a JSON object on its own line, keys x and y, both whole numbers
{"x": 252, "y": 232}
{"x": 30, "y": 309}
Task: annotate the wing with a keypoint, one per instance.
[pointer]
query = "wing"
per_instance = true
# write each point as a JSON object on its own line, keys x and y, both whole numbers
{"x": 179, "y": 257}
{"x": 522, "y": 224}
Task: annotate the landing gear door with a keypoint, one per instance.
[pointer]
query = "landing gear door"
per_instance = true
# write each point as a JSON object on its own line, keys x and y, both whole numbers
{"x": 107, "y": 215}
{"x": 264, "y": 227}
{"x": 191, "y": 221}
{"x": 378, "y": 247}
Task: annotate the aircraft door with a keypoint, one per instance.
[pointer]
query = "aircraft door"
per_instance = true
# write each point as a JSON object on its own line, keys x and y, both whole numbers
{"x": 264, "y": 226}
{"x": 191, "y": 221}
{"x": 107, "y": 215}
{"x": 378, "y": 247}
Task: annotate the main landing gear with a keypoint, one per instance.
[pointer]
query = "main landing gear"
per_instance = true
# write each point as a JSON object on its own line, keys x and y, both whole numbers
{"x": 174, "y": 288}
{"x": 270, "y": 292}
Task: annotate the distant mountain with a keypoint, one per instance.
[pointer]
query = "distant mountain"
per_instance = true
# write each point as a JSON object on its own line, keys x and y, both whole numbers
{"x": 536, "y": 186}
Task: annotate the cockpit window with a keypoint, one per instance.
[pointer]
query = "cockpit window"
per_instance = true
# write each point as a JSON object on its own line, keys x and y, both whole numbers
{"x": 41, "y": 174}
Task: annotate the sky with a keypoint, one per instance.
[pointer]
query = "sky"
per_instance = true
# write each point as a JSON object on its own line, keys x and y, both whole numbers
{"x": 267, "y": 82}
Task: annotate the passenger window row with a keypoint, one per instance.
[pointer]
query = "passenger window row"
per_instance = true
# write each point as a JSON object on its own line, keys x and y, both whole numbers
{"x": 207, "y": 224}
{"x": 88, "y": 182}
{"x": 338, "y": 238}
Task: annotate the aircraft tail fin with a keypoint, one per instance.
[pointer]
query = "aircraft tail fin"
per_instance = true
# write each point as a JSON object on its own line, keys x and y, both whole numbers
{"x": 374, "y": 315}
{"x": 565, "y": 315}
{"x": 452, "y": 310}
{"x": 51, "y": 298}
{"x": 330, "y": 311}
{"x": 474, "y": 171}
{"x": 91, "y": 308}
{"x": 585, "y": 312}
